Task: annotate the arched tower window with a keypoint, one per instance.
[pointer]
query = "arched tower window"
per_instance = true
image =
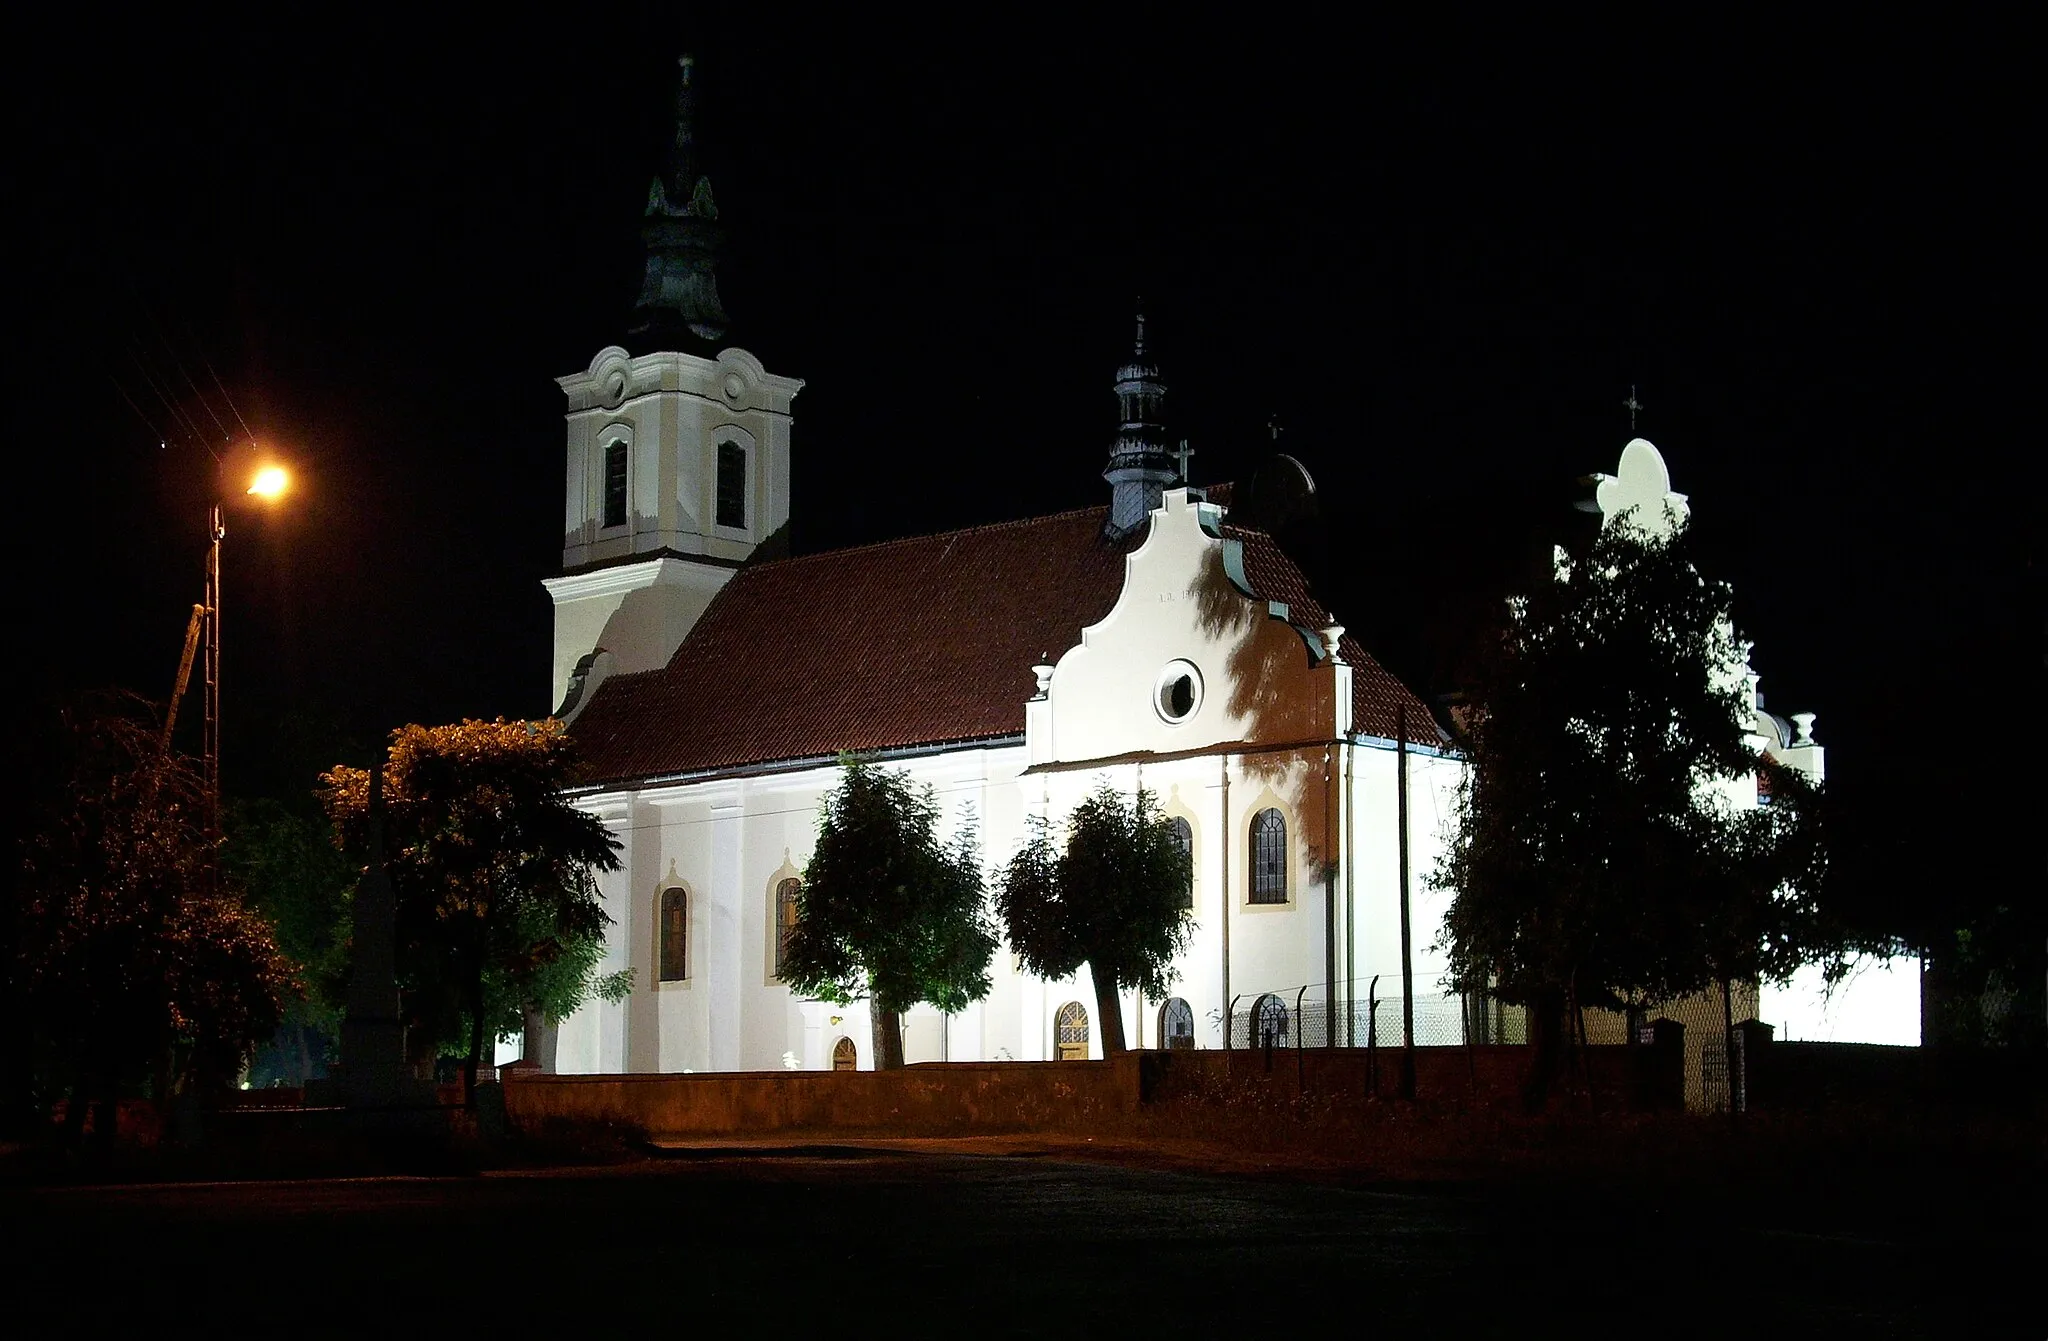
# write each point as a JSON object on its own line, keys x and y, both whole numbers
{"x": 732, "y": 485}
{"x": 785, "y": 920}
{"x": 1269, "y": 857}
{"x": 675, "y": 935}
{"x": 615, "y": 484}
{"x": 1184, "y": 838}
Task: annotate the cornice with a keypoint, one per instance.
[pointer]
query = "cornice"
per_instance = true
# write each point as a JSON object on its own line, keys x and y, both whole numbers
{"x": 613, "y": 580}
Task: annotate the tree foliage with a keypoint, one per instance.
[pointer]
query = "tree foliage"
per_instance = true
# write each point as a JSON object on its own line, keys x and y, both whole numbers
{"x": 136, "y": 958}
{"x": 887, "y": 911}
{"x": 291, "y": 873}
{"x": 494, "y": 870}
{"x": 1601, "y": 855}
{"x": 1113, "y": 898}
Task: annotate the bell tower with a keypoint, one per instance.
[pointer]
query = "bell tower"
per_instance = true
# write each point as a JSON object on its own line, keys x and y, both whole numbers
{"x": 677, "y": 465}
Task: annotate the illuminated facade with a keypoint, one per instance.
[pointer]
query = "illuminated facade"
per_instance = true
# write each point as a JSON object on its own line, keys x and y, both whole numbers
{"x": 1009, "y": 667}
{"x": 712, "y": 683}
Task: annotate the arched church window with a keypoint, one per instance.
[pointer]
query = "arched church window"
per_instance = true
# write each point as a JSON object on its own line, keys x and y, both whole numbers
{"x": 732, "y": 484}
{"x": 785, "y": 920}
{"x": 1184, "y": 839}
{"x": 845, "y": 1057}
{"x": 1070, "y": 1033}
{"x": 1176, "y": 1025}
{"x": 1269, "y": 857}
{"x": 675, "y": 935}
{"x": 1269, "y": 1022}
{"x": 615, "y": 484}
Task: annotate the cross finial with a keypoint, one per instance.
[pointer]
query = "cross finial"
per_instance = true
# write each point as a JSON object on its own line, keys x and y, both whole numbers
{"x": 1633, "y": 406}
{"x": 1139, "y": 346}
{"x": 1182, "y": 456}
{"x": 1273, "y": 427}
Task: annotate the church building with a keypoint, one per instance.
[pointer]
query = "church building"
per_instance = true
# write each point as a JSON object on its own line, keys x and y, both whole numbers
{"x": 712, "y": 687}
{"x": 1151, "y": 639}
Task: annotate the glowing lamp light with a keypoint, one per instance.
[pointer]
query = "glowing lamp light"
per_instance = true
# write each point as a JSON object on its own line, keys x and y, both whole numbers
{"x": 270, "y": 482}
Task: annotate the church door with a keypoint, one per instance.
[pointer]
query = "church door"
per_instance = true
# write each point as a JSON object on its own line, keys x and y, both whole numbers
{"x": 1070, "y": 1033}
{"x": 845, "y": 1057}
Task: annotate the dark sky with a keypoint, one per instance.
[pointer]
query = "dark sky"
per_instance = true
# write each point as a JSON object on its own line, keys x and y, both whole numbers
{"x": 1440, "y": 258}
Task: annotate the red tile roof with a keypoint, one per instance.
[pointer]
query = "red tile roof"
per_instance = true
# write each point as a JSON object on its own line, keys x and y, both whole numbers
{"x": 1376, "y": 696}
{"x": 926, "y": 641}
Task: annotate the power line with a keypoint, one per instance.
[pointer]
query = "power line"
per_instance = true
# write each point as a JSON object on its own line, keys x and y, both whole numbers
{"x": 161, "y": 436}
{"x": 232, "y": 407}
{"x": 178, "y": 416}
{"x": 164, "y": 338}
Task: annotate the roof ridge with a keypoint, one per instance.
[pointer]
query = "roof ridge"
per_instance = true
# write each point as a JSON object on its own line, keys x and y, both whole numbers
{"x": 1013, "y": 523}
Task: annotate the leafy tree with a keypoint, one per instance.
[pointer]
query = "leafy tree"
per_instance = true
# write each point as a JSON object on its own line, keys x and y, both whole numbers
{"x": 294, "y": 876}
{"x": 887, "y": 911}
{"x": 1599, "y": 856}
{"x": 495, "y": 875}
{"x": 138, "y": 961}
{"x": 1112, "y": 899}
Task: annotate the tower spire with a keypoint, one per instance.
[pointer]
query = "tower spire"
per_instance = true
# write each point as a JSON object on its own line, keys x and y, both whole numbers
{"x": 1141, "y": 464}
{"x": 679, "y": 293}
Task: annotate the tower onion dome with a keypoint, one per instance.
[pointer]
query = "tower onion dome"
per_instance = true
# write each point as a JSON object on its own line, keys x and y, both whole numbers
{"x": 1140, "y": 465}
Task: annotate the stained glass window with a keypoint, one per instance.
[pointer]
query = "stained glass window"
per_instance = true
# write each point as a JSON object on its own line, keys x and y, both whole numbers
{"x": 675, "y": 935}
{"x": 1269, "y": 857}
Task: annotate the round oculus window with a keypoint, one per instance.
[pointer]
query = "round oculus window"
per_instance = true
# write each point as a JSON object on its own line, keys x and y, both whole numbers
{"x": 1179, "y": 691}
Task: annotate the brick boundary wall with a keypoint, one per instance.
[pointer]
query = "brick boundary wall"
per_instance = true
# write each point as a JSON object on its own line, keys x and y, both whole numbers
{"x": 929, "y": 1099}
{"x": 972, "y": 1098}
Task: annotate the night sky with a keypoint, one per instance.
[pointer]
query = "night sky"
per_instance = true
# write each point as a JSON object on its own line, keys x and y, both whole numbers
{"x": 1440, "y": 259}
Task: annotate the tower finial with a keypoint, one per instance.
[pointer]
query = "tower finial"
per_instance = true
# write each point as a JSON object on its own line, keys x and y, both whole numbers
{"x": 1138, "y": 346}
{"x": 682, "y": 158}
{"x": 682, "y": 234}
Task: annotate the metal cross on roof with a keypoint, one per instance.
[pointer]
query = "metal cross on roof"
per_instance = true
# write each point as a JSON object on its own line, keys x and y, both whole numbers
{"x": 1632, "y": 405}
{"x": 1273, "y": 427}
{"x": 1182, "y": 456}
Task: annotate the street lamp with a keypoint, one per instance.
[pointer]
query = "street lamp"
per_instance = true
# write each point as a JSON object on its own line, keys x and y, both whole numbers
{"x": 269, "y": 483}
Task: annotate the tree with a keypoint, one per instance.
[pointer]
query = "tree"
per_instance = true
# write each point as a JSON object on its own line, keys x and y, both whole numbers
{"x": 886, "y": 910}
{"x": 292, "y": 874}
{"x": 1599, "y": 857}
{"x": 138, "y": 961}
{"x": 1113, "y": 899}
{"x": 495, "y": 875}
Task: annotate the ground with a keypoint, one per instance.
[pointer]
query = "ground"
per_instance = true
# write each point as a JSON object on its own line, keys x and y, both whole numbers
{"x": 1002, "y": 1237}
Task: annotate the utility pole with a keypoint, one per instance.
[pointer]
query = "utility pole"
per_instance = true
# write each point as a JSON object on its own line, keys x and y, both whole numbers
{"x": 210, "y": 751}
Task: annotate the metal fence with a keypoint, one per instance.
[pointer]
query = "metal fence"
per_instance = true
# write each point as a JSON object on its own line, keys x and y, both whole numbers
{"x": 1366, "y": 1014}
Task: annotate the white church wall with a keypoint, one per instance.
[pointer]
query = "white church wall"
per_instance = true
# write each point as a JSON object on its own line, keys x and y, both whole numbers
{"x": 1878, "y": 1002}
{"x": 1252, "y": 676}
{"x": 728, "y": 842}
{"x": 1375, "y": 874}
{"x": 639, "y": 612}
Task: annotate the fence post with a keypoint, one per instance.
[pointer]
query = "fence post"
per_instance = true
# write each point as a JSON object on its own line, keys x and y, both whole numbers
{"x": 1300, "y": 1062}
{"x": 1471, "y": 1052}
{"x": 1372, "y": 1035}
